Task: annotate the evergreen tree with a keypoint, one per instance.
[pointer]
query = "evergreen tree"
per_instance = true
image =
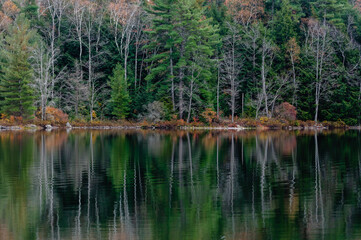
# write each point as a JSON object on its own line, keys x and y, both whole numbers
{"x": 197, "y": 41}
{"x": 15, "y": 90}
{"x": 161, "y": 77}
{"x": 331, "y": 11}
{"x": 120, "y": 96}
{"x": 286, "y": 21}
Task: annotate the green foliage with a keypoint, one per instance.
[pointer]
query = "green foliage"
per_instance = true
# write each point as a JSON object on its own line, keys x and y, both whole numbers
{"x": 120, "y": 98}
{"x": 174, "y": 50}
{"x": 15, "y": 90}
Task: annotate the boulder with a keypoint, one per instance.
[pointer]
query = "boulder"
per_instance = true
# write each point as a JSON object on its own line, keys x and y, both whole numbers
{"x": 48, "y": 127}
{"x": 31, "y": 126}
{"x": 68, "y": 125}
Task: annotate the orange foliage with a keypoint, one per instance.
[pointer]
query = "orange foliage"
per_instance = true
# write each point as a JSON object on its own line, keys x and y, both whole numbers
{"x": 293, "y": 49}
{"x": 9, "y": 8}
{"x": 55, "y": 140}
{"x": 245, "y": 11}
{"x": 5, "y": 21}
{"x": 358, "y": 5}
{"x": 121, "y": 10}
{"x": 54, "y": 115}
{"x": 209, "y": 116}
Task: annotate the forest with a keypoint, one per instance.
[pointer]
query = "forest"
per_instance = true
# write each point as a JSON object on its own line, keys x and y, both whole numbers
{"x": 181, "y": 59}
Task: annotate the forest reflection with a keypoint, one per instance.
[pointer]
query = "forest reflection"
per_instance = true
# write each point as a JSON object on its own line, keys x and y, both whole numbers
{"x": 180, "y": 185}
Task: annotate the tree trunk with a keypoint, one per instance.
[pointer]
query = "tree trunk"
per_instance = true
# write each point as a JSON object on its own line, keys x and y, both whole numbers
{"x": 190, "y": 101}
{"x": 264, "y": 79}
{"x": 218, "y": 90}
{"x": 172, "y": 77}
{"x": 181, "y": 77}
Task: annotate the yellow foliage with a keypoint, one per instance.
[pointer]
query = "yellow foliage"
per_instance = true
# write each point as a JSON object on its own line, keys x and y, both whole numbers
{"x": 264, "y": 119}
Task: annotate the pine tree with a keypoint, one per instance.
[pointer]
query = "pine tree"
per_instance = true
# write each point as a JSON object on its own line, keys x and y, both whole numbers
{"x": 331, "y": 11}
{"x": 15, "y": 90}
{"x": 285, "y": 22}
{"x": 198, "y": 39}
{"x": 120, "y": 96}
{"x": 164, "y": 42}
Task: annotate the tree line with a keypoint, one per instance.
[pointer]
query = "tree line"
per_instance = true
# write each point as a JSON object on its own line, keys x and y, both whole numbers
{"x": 167, "y": 59}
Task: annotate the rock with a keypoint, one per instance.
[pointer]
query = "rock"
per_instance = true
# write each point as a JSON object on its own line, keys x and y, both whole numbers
{"x": 15, "y": 128}
{"x": 31, "y": 126}
{"x": 48, "y": 126}
{"x": 68, "y": 125}
{"x": 240, "y": 127}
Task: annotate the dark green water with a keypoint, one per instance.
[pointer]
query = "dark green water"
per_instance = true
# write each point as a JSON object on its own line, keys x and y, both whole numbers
{"x": 180, "y": 185}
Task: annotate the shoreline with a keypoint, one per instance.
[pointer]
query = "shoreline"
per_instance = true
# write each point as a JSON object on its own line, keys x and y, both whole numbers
{"x": 113, "y": 126}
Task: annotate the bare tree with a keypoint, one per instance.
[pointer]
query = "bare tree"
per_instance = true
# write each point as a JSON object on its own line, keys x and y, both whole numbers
{"x": 141, "y": 23}
{"x": 267, "y": 59}
{"x": 42, "y": 59}
{"x": 79, "y": 8}
{"x": 195, "y": 71}
{"x": 320, "y": 49}
{"x": 231, "y": 66}
{"x": 124, "y": 19}
{"x": 245, "y": 12}
{"x": 276, "y": 88}
{"x": 76, "y": 91}
{"x": 92, "y": 10}
{"x": 55, "y": 8}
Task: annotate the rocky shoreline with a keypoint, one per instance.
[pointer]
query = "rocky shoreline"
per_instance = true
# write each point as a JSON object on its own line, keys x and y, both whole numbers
{"x": 68, "y": 126}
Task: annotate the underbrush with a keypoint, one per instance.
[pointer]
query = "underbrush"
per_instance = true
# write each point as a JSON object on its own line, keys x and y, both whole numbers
{"x": 261, "y": 123}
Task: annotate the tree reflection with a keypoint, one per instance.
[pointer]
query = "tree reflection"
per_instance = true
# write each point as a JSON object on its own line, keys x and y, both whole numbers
{"x": 179, "y": 185}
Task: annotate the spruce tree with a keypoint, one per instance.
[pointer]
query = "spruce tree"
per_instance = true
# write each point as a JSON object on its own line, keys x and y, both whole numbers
{"x": 15, "y": 90}
{"x": 161, "y": 78}
{"x": 120, "y": 96}
{"x": 196, "y": 46}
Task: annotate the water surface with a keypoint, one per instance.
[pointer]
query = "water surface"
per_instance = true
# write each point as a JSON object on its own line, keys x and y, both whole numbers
{"x": 180, "y": 185}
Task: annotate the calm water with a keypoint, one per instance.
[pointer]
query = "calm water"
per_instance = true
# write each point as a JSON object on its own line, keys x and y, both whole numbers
{"x": 180, "y": 185}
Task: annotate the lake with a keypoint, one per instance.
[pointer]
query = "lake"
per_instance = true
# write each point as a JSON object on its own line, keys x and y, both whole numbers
{"x": 144, "y": 184}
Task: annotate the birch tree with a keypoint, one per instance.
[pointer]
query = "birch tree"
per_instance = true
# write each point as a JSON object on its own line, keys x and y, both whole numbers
{"x": 231, "y": 66}
{"x": 42, "y": 59}
{"x": 266, "y": 63}
{"x": 79, "y": 9}
{"x": 124, "y": 19}
{"x": 55, "y": 8}
{"x": 321, "y": 50}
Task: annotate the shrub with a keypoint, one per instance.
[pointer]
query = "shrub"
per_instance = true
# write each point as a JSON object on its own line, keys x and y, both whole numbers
{"x": 54, "y": 115}
{"x": 286, "y": 111}
{"x": 94, "y": 114}
{"x": 209, "y": 116}
{"x": 264, "y": 120}
{"x": 155, "y": 112}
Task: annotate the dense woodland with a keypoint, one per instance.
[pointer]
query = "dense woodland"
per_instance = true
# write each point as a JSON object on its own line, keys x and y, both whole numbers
{"x": 168, "y": 59}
